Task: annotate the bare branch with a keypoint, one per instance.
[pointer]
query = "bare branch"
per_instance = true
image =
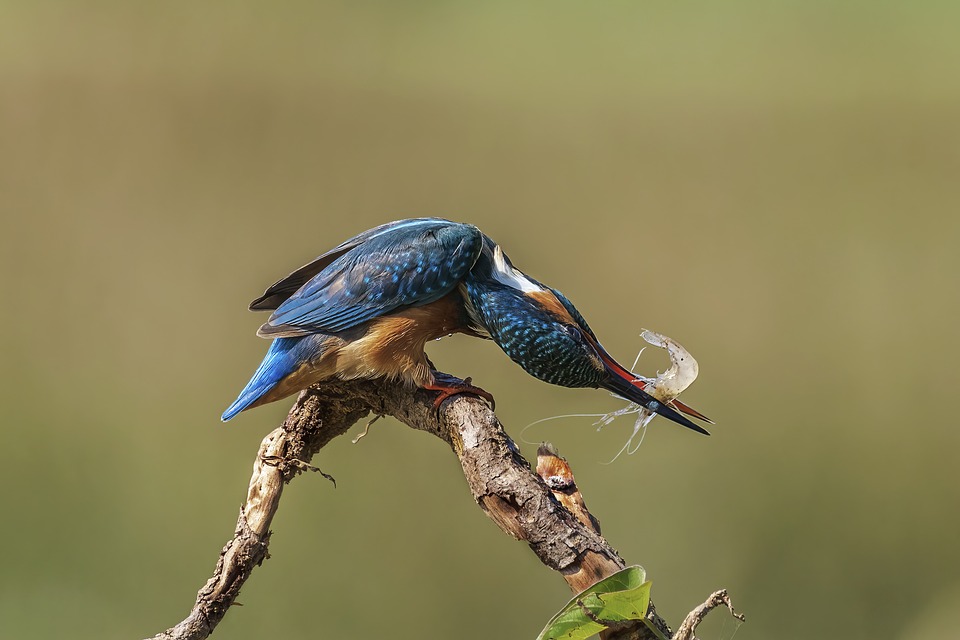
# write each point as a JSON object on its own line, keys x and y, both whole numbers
{"x": 499, "y": 477}
{"x": 283, "y": 454}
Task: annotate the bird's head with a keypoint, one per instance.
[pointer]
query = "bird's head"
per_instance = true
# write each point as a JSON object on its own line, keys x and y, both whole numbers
{"x": 543, "y": 332}
{"x": 578, "y": 360}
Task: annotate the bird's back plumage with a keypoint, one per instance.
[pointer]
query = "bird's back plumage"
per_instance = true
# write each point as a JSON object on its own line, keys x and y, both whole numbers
{"x": 382, "y": 271}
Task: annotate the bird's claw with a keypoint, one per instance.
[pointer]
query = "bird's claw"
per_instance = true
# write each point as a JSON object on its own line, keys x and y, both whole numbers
{"x": 457, "y": 387}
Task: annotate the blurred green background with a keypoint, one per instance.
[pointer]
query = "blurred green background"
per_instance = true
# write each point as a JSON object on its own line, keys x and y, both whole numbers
{"x": 775, "y": 185}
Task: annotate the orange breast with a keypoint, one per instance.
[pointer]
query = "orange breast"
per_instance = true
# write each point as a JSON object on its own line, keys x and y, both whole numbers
{"x": 392, "y": 346}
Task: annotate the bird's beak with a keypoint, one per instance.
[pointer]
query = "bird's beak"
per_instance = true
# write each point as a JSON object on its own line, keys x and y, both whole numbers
{"x": 627, "y": 386}
{"x": 629, "y": 390}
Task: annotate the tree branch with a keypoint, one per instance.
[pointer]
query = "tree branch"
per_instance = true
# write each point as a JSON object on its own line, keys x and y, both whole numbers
{"x": 499, "y": 477}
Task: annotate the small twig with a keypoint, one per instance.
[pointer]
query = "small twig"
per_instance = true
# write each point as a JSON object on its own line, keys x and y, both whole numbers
{"x": 285, "y": 464}
{"x": 366, "y": 429}
{"x": 694, "y": 618}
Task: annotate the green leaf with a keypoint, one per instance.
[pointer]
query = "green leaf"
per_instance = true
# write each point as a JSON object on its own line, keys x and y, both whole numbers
{"x": 623, "y": 596}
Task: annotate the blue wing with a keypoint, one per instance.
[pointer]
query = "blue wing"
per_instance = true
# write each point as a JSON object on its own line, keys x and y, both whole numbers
{"x": 393, "y": 267}
{"x": 287, "y": 286}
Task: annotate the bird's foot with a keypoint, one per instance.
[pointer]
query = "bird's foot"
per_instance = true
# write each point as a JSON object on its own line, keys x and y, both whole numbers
{"x": 450, "y": 386}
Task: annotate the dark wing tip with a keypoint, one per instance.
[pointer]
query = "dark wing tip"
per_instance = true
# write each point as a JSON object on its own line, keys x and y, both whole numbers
{"x": 268, "y": 302}
{"x": 270, "y": 331}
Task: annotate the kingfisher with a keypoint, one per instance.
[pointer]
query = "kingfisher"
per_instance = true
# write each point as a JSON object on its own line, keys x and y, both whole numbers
{"x": 367, "y": 308}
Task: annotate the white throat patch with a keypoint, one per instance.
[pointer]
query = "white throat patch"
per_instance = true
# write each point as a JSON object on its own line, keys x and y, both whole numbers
{"x": 505, "y": 273}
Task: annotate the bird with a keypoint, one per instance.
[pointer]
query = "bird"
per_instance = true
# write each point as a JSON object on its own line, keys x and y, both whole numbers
{"x": 542, "y": 331}
{"x": 367, "y": 308}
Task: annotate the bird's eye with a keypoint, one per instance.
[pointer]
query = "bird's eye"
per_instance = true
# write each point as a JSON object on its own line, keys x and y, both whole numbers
{"x": 572, "y": 331}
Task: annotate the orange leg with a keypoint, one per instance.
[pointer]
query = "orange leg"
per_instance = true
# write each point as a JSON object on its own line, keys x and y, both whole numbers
{"x": 450, "y": 386}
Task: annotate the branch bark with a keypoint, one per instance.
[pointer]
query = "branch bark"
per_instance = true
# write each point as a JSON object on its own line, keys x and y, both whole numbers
{"x": 501, "y": 481}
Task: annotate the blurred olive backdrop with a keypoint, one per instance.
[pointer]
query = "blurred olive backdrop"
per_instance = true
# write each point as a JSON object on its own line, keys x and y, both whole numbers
{"x": 775, "y": 185}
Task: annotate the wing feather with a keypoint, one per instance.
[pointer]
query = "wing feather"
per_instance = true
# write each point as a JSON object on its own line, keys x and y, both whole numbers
{"x": 282, "y": 289}
{"x": 387, "y": 269}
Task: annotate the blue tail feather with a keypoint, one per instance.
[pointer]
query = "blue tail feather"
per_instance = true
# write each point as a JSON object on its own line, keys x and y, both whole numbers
{"x": 283, "y": 358}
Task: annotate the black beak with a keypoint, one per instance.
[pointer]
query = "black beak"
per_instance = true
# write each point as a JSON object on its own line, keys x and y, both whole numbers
{"x": 624, "y": 388}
